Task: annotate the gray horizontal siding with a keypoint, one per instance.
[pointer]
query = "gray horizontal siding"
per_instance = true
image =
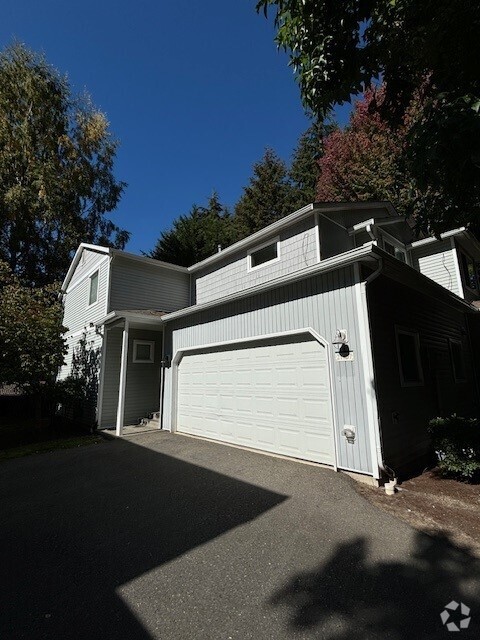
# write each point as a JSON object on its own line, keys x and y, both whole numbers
{"x": 324, "y": 303}
{"x": 135, "y": 285}
{"x": 87, "y": 261}
{"x": 298, "y": 249}
{"x": 111, "y": 381}
{"x": 437, "y": 260}
{"x": 142, "y": 395}
{"x": 77, "y": 314}
{"x": 390, "y": 304}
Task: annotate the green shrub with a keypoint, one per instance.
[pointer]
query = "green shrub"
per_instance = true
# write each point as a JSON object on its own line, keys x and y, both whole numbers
{"x": 456, "y": 442}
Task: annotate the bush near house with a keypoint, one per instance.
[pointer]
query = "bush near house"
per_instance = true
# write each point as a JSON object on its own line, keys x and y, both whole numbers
{"x": 456, "y": 442}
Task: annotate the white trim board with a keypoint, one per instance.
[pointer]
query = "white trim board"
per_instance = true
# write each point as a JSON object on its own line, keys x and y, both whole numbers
{"x": 180, "y": 352}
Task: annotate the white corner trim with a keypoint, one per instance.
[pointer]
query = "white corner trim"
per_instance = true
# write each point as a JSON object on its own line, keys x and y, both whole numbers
{"x": 316, "y": 224}
{"x": 368, "y": 372}
{"x": 123, "y": 381}
{"x": 456, "y": 267}
{"x": 179, "y": 353}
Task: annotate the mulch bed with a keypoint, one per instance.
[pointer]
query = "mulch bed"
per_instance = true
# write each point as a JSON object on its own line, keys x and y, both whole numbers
{"x": 435, "y": 504}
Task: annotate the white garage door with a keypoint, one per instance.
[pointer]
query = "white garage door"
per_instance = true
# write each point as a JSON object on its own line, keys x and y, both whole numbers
{"x": 272, "y": 396}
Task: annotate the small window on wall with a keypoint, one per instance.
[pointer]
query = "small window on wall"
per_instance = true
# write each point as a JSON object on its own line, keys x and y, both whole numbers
{"x": 409, "y": 362}
{"x": 469, "y": 268}
{"x": 458, "y": 362}
{"x": 143, "y": 351}
{"x": 397, "y": 252}
{"x": 263, "y": 255}
{"x": 93, "y": 295}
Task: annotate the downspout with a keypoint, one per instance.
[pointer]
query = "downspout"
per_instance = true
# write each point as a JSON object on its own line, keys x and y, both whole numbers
{"x": 382, "y": 465}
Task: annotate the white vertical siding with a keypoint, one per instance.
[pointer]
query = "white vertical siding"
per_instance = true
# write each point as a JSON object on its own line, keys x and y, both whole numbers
{"x": 437, "y": 260}
{"x": 324, "y": 303}
{"x": 298, "y": 249}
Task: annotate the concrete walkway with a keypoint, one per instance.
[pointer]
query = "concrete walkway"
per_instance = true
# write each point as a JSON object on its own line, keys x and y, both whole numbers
{"x": 160, "y": 536}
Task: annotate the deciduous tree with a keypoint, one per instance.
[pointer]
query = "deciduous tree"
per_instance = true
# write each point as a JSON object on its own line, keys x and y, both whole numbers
{"x": 56, "y": 169}
{"x": 337, "y": 49}
{"x": 32, "y": 347}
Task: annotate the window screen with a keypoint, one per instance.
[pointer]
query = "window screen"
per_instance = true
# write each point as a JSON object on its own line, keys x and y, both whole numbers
{"x": 265, "y": 254}
{"x": 93, "y": 288}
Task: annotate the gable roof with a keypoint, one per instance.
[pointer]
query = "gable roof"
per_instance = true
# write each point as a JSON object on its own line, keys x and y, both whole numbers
{"x": 84, "y": 246}
{"x": 296, "y": 216}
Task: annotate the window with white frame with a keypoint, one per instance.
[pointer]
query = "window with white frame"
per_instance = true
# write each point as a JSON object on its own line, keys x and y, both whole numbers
{"x": 469, "y": 271}
{"x": 409, "y": 361}
{"x": 394, "y": 249}
{"x": 93, "y": 292}
{"x": 267, "y": 253}
{"x": 457, "y": 360}
{"x": 143, "y": 351}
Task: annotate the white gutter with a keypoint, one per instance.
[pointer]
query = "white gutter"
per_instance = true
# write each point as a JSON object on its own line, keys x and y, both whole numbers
{"x": 347, "y": 258}
{"x": 113, "y": 316}
{"x": 273, "y": 229}
{"x": 443, "y": 236}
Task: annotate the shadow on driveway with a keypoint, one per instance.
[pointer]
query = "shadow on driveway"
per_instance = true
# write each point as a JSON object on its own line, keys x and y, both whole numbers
{"x": 354, "y": 597}
{"x": 76, "y": 527}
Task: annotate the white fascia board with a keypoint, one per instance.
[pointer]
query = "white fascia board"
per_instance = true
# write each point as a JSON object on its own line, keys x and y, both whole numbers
{"x": 274, "y": 228}
{"x": 443, "y": 236}
{"x": 76, "y": 260}
{"x": 113, "y": 316}
{"x": 344, "y": 259}
{"x": 147, "y": 260}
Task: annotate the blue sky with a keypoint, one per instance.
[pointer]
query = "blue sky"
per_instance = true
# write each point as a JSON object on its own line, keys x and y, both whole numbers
{"x": 194, "y": 90}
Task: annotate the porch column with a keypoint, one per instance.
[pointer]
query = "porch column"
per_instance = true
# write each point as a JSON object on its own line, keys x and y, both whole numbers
{"x": 123, "y": 381}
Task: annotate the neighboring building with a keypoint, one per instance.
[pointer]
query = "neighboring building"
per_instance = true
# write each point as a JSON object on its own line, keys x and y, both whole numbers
{"x": 332, "y": 336}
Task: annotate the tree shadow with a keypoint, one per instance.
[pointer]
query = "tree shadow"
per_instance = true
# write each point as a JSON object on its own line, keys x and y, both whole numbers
{"x": 78, "y": 525}
{"x": 353, "y": 597}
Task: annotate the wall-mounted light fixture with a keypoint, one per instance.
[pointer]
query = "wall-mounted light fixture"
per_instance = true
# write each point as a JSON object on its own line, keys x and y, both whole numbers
{"x": 348, "y": 432}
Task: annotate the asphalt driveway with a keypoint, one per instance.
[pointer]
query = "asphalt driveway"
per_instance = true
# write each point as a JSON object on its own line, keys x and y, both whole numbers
{"x": 162, "y": 536}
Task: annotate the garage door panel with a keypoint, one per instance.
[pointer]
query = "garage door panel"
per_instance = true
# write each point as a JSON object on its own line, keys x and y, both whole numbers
{"x": 270, "y": 396}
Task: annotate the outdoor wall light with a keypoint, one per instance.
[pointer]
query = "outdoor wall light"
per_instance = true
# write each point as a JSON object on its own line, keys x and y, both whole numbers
{"x": 348, "y": 432}
{"x": 166, "y": 360}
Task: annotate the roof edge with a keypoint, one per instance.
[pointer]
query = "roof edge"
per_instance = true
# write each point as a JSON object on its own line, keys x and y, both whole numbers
{"x": 299, "y": 214}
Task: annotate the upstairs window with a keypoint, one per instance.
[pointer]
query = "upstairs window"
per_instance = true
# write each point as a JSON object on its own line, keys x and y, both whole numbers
{"x": 93, "y": 295}
{"x": 409, "y": 362}
{"x": 470, "y": 271}
{"x": 458, "y": 363}
{"x": 264, "y": 255}
{"x": 395, "y": 251}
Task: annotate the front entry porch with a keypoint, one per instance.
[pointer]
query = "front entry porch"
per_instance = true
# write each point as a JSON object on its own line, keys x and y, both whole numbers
{"x": 130, "y": 375}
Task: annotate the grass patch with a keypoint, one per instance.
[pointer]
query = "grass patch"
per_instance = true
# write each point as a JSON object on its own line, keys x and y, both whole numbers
{"x": 49, "y": 445}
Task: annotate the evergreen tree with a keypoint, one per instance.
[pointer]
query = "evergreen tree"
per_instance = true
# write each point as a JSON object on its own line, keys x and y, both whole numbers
{"x": 195, "y": 236}
{"x": 269, "y": 196}
{"x": 305, "y": 169}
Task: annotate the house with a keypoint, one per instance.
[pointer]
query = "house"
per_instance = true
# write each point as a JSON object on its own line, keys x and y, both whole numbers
{"x": 333, "y": 336}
